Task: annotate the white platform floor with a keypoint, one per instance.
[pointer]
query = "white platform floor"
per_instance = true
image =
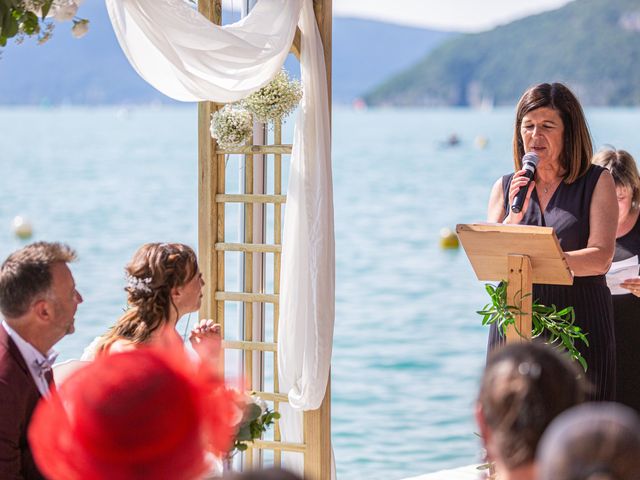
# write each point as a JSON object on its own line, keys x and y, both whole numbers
{"x": 463, "y": 473}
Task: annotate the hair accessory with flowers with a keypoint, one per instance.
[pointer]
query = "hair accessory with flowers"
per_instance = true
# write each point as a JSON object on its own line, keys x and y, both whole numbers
{"x": 138, "y": 284}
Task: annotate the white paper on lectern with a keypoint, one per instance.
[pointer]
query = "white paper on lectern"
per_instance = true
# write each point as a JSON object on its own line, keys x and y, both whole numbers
{"x": 621, "y": 271}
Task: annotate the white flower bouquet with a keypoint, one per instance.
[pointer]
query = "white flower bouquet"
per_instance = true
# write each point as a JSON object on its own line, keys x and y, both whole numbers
{"x": 275, "y": 100}
{"x": 231, "y": 126}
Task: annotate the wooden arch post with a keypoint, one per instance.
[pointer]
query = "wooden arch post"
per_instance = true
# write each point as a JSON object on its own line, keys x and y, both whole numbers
{"x": 212, "y": 246}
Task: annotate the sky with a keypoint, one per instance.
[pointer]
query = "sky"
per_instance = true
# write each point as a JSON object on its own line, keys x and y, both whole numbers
{"x": 455, "y": 15}
{"x": 458, "y": 15}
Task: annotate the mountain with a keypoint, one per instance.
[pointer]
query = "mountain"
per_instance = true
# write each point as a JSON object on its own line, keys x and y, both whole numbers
{"x": 93, "y": 70}
{"x": 591, "y": 45}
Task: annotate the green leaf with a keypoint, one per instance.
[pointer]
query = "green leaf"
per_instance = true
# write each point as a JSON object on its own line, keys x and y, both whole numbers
{"x": 30, "y": 23}
{"x": 46, "y": 7}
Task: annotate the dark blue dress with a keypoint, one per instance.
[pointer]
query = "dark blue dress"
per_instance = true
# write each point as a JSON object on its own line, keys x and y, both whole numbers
{"x": 568, "y": 214}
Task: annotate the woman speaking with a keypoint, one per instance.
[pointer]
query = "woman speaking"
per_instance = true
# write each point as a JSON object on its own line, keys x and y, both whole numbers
{"x": 578, "y": 200}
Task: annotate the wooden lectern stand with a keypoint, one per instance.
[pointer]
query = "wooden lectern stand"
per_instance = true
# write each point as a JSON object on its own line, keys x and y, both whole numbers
{"x": 520, "y": 254}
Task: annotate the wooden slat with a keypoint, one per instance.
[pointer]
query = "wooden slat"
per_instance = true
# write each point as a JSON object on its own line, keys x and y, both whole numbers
{"x": 249, "y": 345}
{"x": 285, "y": 447}
{"x": 248, "y": 198}
{"x": 248, "y": 247}
{"x": 273, "y": 397}
{"x": 257, "y": 150}
{"x": 246, "y": 297}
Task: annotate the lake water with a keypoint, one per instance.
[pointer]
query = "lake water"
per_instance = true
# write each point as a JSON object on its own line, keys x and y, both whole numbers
{"x": 408, "y": 347}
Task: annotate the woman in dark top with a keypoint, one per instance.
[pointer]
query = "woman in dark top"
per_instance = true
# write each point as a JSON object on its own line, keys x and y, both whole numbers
{"x": 578, "y": 200}
{"x": 626, "y": 306}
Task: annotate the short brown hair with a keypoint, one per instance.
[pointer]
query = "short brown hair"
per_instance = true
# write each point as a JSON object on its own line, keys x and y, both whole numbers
{"x": 623, "y": 169}
{"x": 524, "y": 387}
{"x": 577, "y": 147}
{"x": 26, "y": 275}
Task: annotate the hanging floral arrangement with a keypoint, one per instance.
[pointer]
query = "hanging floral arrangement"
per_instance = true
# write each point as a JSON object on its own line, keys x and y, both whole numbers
{"x": 231, "y": 126}
{"x": 275, "y": 100}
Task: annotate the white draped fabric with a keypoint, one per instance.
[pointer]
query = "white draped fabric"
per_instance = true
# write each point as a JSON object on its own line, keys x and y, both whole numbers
{"x": 186, "y": 57}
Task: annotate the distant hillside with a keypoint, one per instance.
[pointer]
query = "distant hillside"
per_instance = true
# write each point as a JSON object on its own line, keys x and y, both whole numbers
{"x": 93, "y": 70}
{"x": 592, "y": 45}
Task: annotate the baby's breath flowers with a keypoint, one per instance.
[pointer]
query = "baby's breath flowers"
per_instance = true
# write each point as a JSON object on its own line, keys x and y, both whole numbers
{"x": 275, "y": 100}
{"x": 231, "y": 126}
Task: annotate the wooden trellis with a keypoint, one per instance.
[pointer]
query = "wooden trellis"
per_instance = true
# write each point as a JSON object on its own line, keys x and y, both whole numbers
{"x": 213, "y": 246}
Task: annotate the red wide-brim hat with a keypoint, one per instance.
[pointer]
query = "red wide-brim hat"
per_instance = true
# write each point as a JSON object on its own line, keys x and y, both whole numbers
{"x": 142, "y": 414}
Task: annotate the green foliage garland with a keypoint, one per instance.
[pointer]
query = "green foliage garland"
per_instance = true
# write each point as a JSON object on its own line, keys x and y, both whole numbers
{"x": 558, "y": 326}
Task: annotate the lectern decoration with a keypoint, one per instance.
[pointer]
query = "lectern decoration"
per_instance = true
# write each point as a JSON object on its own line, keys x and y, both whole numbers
{"x": 519, "y": 256}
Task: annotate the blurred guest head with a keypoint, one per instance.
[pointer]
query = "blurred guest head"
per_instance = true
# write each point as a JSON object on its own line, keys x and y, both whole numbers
{"x": 265, "y": 474}
{"x": 625, "y": 175}
{"x": 524, "y": 387}
{"x": 142, "y": 414}
{"x": 594, "y": 441}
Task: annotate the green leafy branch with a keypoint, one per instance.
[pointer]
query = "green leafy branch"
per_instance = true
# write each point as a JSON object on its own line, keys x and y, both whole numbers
{"x": 22, "y": 18}
{"x": 558, "y": 328}
{"x": 256, "y": 420}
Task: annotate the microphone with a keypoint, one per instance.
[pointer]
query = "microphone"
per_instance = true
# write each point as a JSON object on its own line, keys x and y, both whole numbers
{"x": 529, "y": 163}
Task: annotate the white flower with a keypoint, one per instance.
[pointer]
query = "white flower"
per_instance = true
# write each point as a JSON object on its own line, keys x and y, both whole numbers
{"x": 275, "y": 100}
{"x": 231, "y": 126}
{"x": 80, "y": 28}
{"x": 64, "y": 10}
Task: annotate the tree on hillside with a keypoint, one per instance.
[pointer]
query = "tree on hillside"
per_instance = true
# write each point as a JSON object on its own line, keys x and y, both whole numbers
{"x": 36, "y": 18}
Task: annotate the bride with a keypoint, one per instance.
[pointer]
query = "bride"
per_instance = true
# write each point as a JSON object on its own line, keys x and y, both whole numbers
{"x": 163, "y": 284}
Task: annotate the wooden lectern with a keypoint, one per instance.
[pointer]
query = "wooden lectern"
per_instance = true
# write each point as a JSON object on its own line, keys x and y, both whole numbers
{"x": 520, "y": 254}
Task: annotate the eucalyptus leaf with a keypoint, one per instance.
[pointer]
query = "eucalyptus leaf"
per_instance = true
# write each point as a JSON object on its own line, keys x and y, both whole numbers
{"x": 557, "y": 327}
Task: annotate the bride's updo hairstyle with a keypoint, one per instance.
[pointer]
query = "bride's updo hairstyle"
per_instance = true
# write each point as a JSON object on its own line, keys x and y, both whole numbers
{"x": 154, "y": 270}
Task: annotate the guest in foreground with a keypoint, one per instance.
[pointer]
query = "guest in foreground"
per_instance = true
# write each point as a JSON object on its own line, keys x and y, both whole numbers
{"x": 626, "y": 304}
{"x": 265, "y": 474}
{"x": 578, "y": 200}
{"x": 38, "y": 300}
{"x": 163, "y": 284}
{"x": 594, "y": 441}
{"x": 524, "y": 387}
{"x": 147, "y": 413}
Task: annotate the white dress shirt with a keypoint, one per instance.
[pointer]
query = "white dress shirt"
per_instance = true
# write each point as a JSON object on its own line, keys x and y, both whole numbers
{"x": 38, "y": 364}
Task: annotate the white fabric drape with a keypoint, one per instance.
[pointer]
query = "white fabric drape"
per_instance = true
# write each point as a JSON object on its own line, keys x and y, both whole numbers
{"x": 186, "y": 57}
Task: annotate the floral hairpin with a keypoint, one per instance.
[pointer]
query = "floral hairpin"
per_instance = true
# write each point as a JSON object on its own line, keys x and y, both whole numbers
{"x": 139, "y": 284}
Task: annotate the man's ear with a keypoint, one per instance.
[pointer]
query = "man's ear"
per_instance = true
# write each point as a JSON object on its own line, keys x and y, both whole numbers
{"x": 43, "y": 309}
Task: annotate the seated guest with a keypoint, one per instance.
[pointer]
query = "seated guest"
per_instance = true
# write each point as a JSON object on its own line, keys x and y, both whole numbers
{"x": 147, "y": 413}
{"x": 524, "y": 387}
{"x": 591, "y": 442}
{"x": 163, "y": 284}
{"x": 38, "y": 300}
